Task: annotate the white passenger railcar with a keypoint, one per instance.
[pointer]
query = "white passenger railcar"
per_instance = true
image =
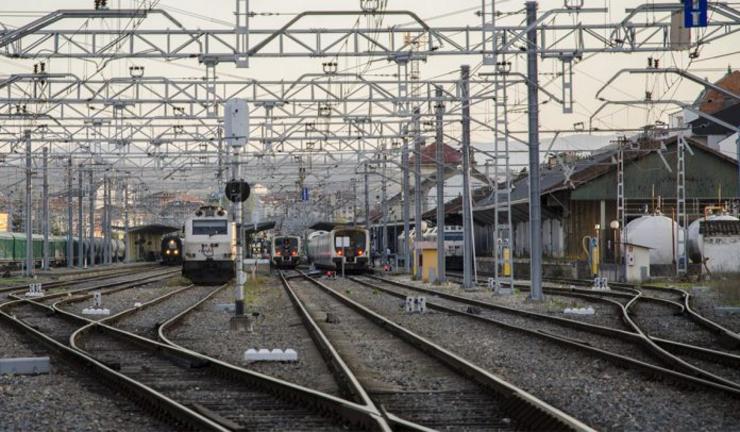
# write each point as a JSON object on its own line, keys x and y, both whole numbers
{"x": 285, "y": 251}
{"x": 209, "y": 246}
{"x": 329, "y": 249}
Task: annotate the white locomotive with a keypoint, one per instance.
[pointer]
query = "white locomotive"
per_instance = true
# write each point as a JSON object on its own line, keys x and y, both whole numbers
{"x": 328, "y": 249}
{"x": 209, "y": 246}
{"x": 285, "y": 251}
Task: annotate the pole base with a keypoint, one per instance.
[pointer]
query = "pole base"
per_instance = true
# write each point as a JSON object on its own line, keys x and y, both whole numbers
{"x": 239, "y": 307}
{"x": 240, "y": 323}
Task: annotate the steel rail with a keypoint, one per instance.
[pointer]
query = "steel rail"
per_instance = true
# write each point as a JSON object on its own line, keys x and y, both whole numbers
{"x": 532, "y": 412}
{"x": 679, "y": 377}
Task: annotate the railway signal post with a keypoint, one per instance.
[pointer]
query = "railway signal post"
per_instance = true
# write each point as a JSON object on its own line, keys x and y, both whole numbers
{"x": 236, "y": 128}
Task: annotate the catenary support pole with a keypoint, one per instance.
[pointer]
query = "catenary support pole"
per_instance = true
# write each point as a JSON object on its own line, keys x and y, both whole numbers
{"x": 439, "y": 110}
{"x": 125, "y": 222}
{"x": 28, "y": 206}
{"x": 406, "y": 206}
{"x": 384, "y": 205}
{"x": 416, "y": 118}
{"x": 70, "y": 203}
{"x": 91, "y": 236}
{"x": 467, "y": 220}
{"x": 236, "y": 212}
{"x": 535, "y": 219}
{"x": 80, "y": 219}
{"x": 45, "y": 207}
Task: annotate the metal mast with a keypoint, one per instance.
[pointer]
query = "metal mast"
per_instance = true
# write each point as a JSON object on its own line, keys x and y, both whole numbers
{"x": 535, "y": 219}
{"x": 468, "y": 253}
{"x": 439, "y": 110}
{"x": 29, "y": 220}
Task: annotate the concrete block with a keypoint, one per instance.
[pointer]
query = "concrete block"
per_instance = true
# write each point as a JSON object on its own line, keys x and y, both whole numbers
{"x": 264, "y": 354}
{"x": 96, "y": 311}
{"x": 579, "y": 311}
{"x": 25, "y": 365}
{"x": 225, "y": 307}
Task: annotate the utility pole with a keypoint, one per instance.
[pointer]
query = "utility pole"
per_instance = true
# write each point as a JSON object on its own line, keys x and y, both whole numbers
{"x": 439, "y": 110}
{"x": 70, "y": 203}
{"x": 406, "y": 206}
{"x": 91, "y": 239}
{"x": 29, "y": 219}
{"x": 417, "y": 193}
{"x": 80, "y": 219}
{"x": 45, "y": 207}
{"x": 535, "y": 218}
{"x": 467, "y": 207}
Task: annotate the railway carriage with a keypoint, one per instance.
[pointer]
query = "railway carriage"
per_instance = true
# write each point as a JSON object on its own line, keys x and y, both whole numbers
{"x": 285, "y": 251}
{"x": 329, "y": 249}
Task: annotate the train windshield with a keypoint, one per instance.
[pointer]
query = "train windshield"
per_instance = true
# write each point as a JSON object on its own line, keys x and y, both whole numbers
{"x": 210, "y": 226}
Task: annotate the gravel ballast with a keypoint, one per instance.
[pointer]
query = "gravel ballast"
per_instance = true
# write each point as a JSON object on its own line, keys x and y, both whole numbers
{"x": 406, "y": 381}
{"x": 64, "y": 400}
{"x": 207, "y": 331}
{"x": 591, "y": 389}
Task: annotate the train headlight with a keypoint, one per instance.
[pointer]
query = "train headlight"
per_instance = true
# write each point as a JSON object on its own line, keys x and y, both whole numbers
{"x": 177, "y": 252}
{"x": 340, "y": 252}
{"x": 167, "y": 252}
{"x": 360, "y": 252}
{"x": 277, "y": 253}
{"x": 294, "y": 253}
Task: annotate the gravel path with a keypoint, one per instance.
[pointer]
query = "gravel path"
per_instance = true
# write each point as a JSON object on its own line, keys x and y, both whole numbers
{"x": 206, "y": 330}
{"x": 593, "y": 390}
{"x": 146, "y": 321}
{"x": 406, "y": 381}
{"x": 65, "y": 400}
{"x": 125, "y": 299}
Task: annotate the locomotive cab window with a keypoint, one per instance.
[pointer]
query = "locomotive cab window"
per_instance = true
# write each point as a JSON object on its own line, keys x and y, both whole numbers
{"x": 210, "y": 227}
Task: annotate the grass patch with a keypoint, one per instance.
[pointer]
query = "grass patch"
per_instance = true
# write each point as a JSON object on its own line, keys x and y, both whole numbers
{"x": 177, "y": 281}
{"x": 253, "y": 287}
{"x": 16, "y": 280}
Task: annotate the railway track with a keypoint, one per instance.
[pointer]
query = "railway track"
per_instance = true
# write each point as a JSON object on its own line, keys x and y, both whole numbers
{"x": 410, "y": 378}
{"x": 709, "y": 365}
{"x": 216, "y": 396}
{"x": 87, "y": 277}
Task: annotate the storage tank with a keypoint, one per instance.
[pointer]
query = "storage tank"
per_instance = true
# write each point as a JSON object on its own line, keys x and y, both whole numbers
{"x": 695, "y": 243}
{"x": 656, "y": 232}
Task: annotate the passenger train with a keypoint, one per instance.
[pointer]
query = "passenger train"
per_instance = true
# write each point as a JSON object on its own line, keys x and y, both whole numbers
{"x": 328, "y": 249}
{"x": 171, "y": 249}
{"x": 209, "y": 246}
{"x": 285, "y": 251}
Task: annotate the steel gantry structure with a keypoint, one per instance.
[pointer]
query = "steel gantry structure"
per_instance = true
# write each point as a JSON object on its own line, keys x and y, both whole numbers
{"x": 143, "y": 122}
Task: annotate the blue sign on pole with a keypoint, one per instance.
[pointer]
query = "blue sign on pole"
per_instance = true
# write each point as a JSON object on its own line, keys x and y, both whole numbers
{"x": 304, "y": 194}
{"x": 695, "y": 13}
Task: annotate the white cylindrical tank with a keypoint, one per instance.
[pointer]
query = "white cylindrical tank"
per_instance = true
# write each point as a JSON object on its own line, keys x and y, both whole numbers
{"x": 658, "y": 232}
{"x": 695, "y": 243}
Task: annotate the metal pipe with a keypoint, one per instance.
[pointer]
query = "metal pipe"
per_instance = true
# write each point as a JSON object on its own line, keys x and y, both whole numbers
{"x": 439, "y": 110}
{"x": 467, "y": 210}
{"x": 45, "y": 207}
{"x": 535, "y": 219}
{"x": 29, "y": 232}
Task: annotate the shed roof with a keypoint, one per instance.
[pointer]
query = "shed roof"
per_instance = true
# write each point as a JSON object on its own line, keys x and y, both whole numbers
{"x": 452, "y": 156}
{"x": 711, "y": 101}
{"x": 156, "y": 229}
